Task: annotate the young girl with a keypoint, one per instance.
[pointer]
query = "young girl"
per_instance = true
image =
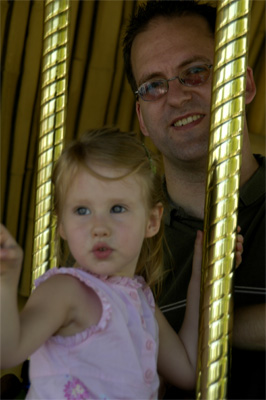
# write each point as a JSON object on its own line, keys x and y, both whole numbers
{"x": 92, "y": 331}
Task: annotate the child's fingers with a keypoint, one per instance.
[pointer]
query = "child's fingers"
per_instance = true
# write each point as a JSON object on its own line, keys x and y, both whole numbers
{"x": 239, "y": 248}
{"x": 6, "y": 239}
{"x": 240, "y": 238}
{"x": 9, "y": 253}
{"x": 238, "y": 257}
{"x": 9, "y": 249}
{"x": 239, "y": 244}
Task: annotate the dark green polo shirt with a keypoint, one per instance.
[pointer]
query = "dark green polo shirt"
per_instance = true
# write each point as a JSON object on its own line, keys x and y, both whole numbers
{"x": 249, "y": 278}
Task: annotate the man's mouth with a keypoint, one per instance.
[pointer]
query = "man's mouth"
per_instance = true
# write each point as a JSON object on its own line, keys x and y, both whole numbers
{"x": 188, "y": 120}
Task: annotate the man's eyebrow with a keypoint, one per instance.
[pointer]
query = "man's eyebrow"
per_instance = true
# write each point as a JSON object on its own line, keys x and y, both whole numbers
{"x": 151, "y": 76}
{"x": 197, "y": 58}
{"x": 185, "y": 63}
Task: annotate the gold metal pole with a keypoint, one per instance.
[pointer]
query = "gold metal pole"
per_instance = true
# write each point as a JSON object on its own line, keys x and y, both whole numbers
{"x": 52, "y": 126}
{"x": 220, "y": 223}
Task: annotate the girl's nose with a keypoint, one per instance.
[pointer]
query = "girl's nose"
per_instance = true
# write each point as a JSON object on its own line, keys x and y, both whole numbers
{"x": 100, "y": 228}
{"x": 100, "y": 232}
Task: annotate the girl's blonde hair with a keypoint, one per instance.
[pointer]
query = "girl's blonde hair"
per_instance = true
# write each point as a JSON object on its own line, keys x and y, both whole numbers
{"x": 111, "y": 147}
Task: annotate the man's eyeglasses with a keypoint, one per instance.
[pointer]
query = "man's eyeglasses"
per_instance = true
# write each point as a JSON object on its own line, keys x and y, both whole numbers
{"x": 193, "y": 76}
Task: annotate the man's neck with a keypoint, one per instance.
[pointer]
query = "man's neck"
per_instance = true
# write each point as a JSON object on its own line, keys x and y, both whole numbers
{"x": 186, "y": 187}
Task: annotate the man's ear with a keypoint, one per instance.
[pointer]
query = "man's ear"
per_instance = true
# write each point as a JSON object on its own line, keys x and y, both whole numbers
{"x": 140, "y": 118}
{"x": 250, "y": 86}
{"x": 154, "y": 221}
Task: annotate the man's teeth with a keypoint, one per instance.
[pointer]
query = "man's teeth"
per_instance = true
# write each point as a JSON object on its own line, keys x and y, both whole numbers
{"x": 186, "y": 121}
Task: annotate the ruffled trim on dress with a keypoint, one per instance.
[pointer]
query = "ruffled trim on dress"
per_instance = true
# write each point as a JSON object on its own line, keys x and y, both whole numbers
{"x": 84, "y": 277}
{"x": 136, "y": 283}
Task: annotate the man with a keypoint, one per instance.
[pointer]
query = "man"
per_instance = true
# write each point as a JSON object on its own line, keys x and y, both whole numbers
{"x": 168, "y": 53}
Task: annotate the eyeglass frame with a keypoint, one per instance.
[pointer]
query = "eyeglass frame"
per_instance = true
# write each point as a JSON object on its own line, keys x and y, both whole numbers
{"x": 209, "y": 66}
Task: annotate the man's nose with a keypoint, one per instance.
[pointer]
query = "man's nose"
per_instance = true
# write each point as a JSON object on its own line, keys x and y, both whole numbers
{"x": 178, "y": 94}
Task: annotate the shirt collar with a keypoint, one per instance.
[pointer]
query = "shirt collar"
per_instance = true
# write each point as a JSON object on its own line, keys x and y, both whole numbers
{"x": 172, "y": 210}
{"x": 248, "y": 194}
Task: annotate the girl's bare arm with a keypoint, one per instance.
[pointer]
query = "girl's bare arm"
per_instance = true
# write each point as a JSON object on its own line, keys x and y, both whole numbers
{"x": 177, "y": 359}
{"x": 178, "y": 353}
{"x": 53, "y": 307}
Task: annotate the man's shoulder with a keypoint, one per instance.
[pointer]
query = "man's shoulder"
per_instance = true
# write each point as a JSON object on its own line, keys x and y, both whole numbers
{"x": 254, "y": 189}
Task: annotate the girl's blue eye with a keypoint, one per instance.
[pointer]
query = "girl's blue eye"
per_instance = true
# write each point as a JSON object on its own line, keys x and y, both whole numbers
{"x": 118, "y": 209}
{"x": 83, "y": 211}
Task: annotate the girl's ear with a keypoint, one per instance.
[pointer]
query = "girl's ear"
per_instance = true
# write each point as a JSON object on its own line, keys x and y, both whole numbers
{"x": 61, "y": 230}
{"x": 250, "y": 86}
{"x": 154, "y": 221}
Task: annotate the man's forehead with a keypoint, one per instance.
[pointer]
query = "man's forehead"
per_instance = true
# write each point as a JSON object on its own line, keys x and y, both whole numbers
{"x": 175, "y": 41}
{"x": 170, "y": 32}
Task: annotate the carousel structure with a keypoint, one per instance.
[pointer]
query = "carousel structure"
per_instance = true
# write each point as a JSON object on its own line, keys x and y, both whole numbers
{"x": 225, "y": 142}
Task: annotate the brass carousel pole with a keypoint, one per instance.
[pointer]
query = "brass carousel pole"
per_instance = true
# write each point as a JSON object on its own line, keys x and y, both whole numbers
{"x": 52, "y": 126}
{"x": 220, "y": 224}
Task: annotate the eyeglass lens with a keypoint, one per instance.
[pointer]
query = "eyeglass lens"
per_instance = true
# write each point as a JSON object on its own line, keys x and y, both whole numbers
{"x": 193, "y": 76}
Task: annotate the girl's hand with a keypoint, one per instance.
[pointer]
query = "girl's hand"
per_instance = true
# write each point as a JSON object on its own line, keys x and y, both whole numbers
{"x": 198, "y": 250}
{"x": 239, "y": 247}
{"x": 11, "y": 254}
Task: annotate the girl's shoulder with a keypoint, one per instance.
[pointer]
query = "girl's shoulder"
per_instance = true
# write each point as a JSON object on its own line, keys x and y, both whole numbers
{"x": 60, "y": 272}
{"x": 89, "y": 306}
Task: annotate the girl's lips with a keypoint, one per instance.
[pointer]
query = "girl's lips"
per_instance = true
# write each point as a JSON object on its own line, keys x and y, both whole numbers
{"x": 102, "y": 251}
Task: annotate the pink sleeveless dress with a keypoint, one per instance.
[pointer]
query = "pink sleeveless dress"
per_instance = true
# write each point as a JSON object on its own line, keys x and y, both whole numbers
{"x": 115, "y": 359}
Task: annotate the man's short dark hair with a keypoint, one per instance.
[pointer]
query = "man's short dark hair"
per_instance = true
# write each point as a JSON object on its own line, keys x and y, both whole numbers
{"x": 160, "y": 8}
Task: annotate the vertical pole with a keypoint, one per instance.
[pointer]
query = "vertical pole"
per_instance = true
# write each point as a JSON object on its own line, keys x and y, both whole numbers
{"x": 223, "y": 176}
{"x": 52, "y": 127}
